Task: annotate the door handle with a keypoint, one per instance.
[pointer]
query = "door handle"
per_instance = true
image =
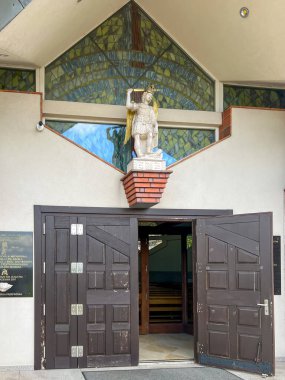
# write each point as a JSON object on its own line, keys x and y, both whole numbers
{"x": 266, "y": 306}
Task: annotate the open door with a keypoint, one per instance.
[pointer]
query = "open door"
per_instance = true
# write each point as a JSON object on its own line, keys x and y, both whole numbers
{"x": 234, "y": 292}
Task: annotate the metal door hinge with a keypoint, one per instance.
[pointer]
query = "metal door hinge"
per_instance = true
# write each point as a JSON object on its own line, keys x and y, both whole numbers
{"x": 200, "y": 348}
{"x": 199, "y": 267}
{"x": 200, "y": 307}
{"x": 76, "y": 351}
{"x": 199, "y": 228}
{"x": 44, "y": 309}
{"x": 44, "y": 228}
{"x": 77, "y": 309}
{"x": 76, "y": 267}
{"x": 44, "y": 352}
{"x": 76, "y": 229}
{"x": 44, "y": 267}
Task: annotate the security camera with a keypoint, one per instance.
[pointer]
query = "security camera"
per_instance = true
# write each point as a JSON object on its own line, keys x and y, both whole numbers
{"x": 40, "y": 126}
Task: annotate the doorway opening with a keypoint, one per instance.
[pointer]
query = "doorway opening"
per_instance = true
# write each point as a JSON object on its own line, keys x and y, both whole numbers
{"x": 165, "y": 291}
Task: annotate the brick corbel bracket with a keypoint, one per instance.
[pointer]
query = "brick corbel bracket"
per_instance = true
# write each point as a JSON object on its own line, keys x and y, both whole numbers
{"x": 145, "y": 188}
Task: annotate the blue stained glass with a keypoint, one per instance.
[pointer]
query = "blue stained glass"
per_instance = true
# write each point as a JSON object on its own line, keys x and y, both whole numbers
{"x": 93, "y": 138}
{"x": 107, "y": 141}
{"x": 169, "y": 159}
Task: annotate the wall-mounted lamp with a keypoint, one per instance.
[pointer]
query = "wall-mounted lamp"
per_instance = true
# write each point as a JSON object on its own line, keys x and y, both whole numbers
{"x": 40, "y": 126}
{"x": 244, "y": 12}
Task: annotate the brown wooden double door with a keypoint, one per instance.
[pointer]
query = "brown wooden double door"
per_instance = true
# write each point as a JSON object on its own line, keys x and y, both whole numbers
{"x": 89, "y": 320}
{"x": 233, "y": 291}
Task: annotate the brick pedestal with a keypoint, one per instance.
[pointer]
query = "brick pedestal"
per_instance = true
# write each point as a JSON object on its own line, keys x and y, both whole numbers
{"x": 145, "y": 188}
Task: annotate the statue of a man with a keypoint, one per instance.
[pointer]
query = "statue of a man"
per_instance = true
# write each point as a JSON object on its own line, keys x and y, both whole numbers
{"x": 144, "y": 127}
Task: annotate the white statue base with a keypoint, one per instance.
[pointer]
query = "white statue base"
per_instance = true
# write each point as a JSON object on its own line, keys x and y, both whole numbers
{"x": 147, "y": 162}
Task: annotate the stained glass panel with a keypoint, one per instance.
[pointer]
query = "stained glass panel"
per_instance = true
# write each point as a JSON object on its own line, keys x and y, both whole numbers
{"x": 17, "y": 80}
{"x": 104, "y": 140}
{"x": 129, "y": 50}
{"x": 178, "y": 143}
{"x": 107, "y": 141}
{"x": 253, "y": 97}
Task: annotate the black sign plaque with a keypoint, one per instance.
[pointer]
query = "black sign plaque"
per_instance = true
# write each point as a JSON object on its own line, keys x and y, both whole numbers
{"x": 277, "y": 264}
{"x": 16, "y": 264}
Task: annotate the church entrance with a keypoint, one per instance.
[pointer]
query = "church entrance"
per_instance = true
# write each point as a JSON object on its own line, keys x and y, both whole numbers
{"x": 198, "y": 275}
{"x": 165, "y": 290}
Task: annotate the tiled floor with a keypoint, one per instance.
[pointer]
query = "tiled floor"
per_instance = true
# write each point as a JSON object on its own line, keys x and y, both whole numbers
{"x": 166, "y": 347}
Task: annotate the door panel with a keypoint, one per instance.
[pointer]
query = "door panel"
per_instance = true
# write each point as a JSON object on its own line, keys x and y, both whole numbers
{"x": 234, "y": 275}
{"x": 108, "y": 329}
{"x": 108, "y": 290}
{"x": 61, "y": 292}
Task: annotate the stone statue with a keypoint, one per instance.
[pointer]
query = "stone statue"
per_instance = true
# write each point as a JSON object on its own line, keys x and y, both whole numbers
{"x": 142, "y": 125}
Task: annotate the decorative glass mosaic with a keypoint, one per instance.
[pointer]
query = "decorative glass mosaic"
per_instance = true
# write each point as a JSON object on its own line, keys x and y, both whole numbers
{"x": 129, "y": 50}
{"x": 178, "y": 143}
{"x": 104, "y": 140}
{"x": 107, "y": 141}
{"x": 253, "y": 97}
{"x": 18, "y": 80}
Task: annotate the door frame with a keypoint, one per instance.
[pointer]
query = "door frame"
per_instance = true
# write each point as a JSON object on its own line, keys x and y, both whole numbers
{"x": 40, "y": 212}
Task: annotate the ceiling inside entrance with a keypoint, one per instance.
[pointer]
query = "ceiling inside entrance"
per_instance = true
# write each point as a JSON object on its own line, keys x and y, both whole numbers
{"x": 165, "y": 228}
{"x": 230, "y": 48}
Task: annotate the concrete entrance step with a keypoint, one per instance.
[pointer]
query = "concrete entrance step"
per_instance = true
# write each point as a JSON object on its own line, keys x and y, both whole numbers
{"x": 52, "y": 374}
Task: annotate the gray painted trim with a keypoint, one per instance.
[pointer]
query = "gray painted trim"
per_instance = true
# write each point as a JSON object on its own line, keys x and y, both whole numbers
{"x": 140, "y": 213}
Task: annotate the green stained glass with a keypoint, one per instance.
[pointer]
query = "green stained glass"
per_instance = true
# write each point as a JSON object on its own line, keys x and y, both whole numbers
{"x": 253, "y": 97}
{"x": 179, "y": 143}
{"x": 107, "y": 141}
{"x": 60, "y": 126}
{"x": 17, "y": 80}
{"x": 154, "y": 40}
{"x": 129, "y": 50}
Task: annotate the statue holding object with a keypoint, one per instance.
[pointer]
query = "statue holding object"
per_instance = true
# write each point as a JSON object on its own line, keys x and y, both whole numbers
{"x": 142, "y": 124}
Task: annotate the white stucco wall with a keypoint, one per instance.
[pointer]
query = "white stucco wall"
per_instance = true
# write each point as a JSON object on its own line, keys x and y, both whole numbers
{"x": 40, "y": 168}
{"x": 244, "y": 173}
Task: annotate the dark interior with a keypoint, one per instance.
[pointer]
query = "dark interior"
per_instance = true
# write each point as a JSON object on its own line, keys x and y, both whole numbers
{"x": 165, "y": 277}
